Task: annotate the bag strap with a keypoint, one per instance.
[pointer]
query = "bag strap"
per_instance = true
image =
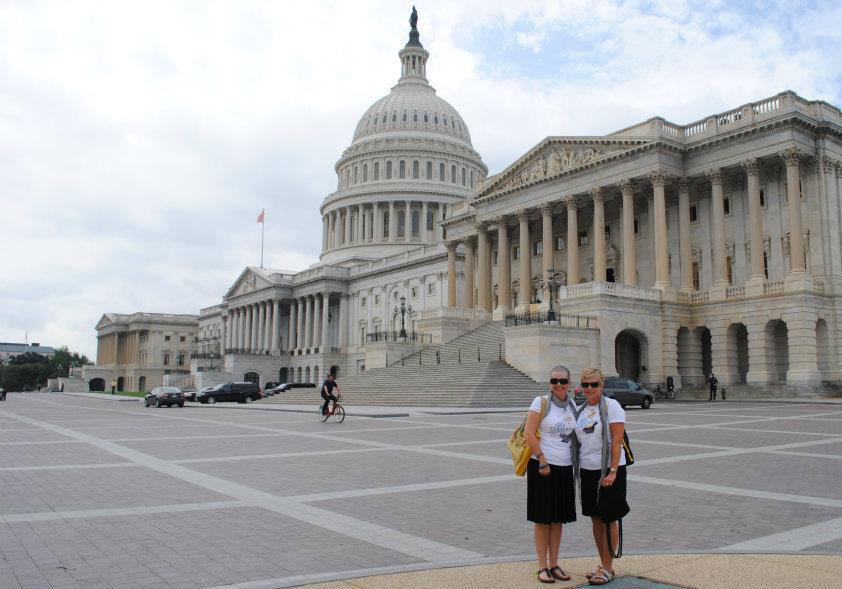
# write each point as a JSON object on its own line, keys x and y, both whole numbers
{"x": 619, "y": 552}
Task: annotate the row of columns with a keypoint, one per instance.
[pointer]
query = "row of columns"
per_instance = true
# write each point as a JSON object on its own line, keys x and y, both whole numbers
{"x": 362, "y": 224}
{"x": 658, "y": 180}
{"x": 256, "y": 327}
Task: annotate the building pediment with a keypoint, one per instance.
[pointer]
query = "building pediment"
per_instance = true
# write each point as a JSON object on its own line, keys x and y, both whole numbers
{"x": 249, "y": 280}
{"x": 554, "y": 157}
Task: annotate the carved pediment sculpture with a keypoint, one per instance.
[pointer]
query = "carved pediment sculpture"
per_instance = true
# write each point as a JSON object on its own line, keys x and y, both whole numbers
{"x": 555, "y": 162}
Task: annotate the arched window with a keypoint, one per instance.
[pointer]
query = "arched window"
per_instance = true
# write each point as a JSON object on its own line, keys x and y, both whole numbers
{"x": 415, "y": 223}
{"x": 385, "y": 224}
{"x": 453, "y": 174}
{"x": 388, "y": 170}
{"x": 403, "y": 119}
{"x": 402, "y": 169}
{"x": 444, "y": 119}
{"x": 415, "y": 116}
{"x": 356, "y": 174}
{"x": 365, "y": 172}
{"x": 426, "y": 118}
{"x": 429, "y": 219}
{"x": 429, "y": 170}
{"x": 384, "y": 118}
{"x": 401, "y": 224}
{"x": 464, "y": 181}
{"x": 436, "y": 119}
{"x": 394, "y": 117}
{"x": 415, "y": 171}
{"x": 377, "y": 170}
{"x": 441, "y": 172}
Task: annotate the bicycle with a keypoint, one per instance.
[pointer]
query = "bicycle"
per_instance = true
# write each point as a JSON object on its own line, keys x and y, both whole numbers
{"x": 338, "y": 412}
{"x": 662, "y": 392}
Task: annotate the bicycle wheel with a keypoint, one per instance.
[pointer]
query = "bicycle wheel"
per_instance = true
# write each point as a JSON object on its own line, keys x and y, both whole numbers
{"x": 339, "y": 414}
{"x": 671, "y": 394}
{"x": 322, "y": 416}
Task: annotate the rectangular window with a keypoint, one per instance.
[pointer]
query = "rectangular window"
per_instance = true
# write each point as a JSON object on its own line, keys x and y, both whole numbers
{"x": 538, "y": 248}
{"x": 388, "y": 170}
{"x": 636, "y": 226}
{"x": 694, "y": 214}
{"x": 364, "y": 302}
{"x": 583, "y": 238}
{"x": 766, "y": 265}
{"x": 166, "y": 359}
{"x": 494, "y": 258}
{"x": 608, "y": 232}
{"x": 414, "y": 292}
{"x": 181, "y": 338}
{"x": 181, "y": 359}
{"x": 516, "y": 252}
{"x": 167, "y": 338}
{"x": 762, "y": 197}
{"x": 402, "y": 169}
{"x": 729, "y": 265}
{"x": 415, "y": 170}
{"x": 429, "y": 170}
{"x": 695, "y": 275}
{"x": 377, "y": 299}
{"x": 726, "y": 205}
{"x": 559, "y": 243}
{"x": 431, "y": 288}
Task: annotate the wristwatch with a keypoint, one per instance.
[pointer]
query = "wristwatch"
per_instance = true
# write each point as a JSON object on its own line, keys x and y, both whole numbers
{"x": 612, "y": 469}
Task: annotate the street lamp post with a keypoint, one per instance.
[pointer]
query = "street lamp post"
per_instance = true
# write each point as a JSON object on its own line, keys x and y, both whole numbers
{"x": 551, "y": 283}
{"x": 403, "y": 310}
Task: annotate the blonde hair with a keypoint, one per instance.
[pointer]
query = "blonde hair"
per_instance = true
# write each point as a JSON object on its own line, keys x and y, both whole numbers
{"x": 589, "y": 373}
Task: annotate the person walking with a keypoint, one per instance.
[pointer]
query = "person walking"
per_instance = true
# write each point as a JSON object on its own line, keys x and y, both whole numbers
{"x": 2, "y": 394}
{"x": 602, "y": 469}
{"x": 550, "y": 494}
{"x": 712, "y": 382}
{"x": 327, "y": 391}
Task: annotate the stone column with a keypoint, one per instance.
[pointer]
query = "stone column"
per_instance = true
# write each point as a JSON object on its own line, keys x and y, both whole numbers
{"x": 247, "y": 343}
{"x": 337, "y": 222}
{"x": 377, "y": 223}
{"x": 324, "y": 232}
{"x": 598, "y": 196}
{"x": 547, "y": 244}
{"x": 685, "y": 250}
{"x": 393, "y": 223}
{"x": 255, "y": 328}
{"x": 483, "y": 255}
{"x": 572, "y": 242}
{"x": 359, "y": 236}
{"x": 451, "y": 273}
{"x": 422, "y": 226}
{"x": 797, "y": 263}
{"x": 308, "y": 322}
{"x": 346, "y": 239}
{"x": 261, "y": 326}
{"x": 525, "y": 280}
{"x": 270, "y": 321}
{"x": 331, "y": 230}
{"x": 241, "y": 328}
{"x": 504, "y": 265}
{"x": 659, "y": 180}
{"x": 757, "y": 276}
{"x": 720, "y": 273}
{"x": 437, "y": 228}
{"x": 407, "y": 221}
{"x": 468, "y": 278}
{"x": 325, "y": 341}
{"x": 343, "y": 322}
{"x": 629, "y": 245}
{"x": 317, "y": 326}
{"x": 291, "y": 339}
{"x": 276, "y": 327}
{"x": 299, "y": 329}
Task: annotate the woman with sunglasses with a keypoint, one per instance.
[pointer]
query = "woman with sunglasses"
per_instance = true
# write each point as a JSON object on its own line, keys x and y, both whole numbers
{"x": 602, "y": 465}
{"x": 550, "y": 495}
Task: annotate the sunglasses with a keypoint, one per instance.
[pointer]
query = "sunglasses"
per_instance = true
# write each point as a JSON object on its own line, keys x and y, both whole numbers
{"x": 593, "y": 385}
{"x": 559, "y": 381}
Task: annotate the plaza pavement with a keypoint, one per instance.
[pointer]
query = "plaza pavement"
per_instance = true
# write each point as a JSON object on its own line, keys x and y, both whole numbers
{"x": 97, "y": 494}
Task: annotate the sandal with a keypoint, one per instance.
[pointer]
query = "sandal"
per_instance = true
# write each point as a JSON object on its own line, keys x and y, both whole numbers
{"x": 602, "y": 577}
{"x": 559, "y": 574}
{"x": 550, "y": 578}
{"x": 589, "y": 575}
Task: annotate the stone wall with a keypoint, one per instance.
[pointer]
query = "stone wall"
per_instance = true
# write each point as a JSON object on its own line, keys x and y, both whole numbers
{"x": 536, "y": 349}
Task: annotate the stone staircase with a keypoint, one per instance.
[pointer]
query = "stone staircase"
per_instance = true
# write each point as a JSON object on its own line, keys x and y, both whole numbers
{"x": 467, "y": 373}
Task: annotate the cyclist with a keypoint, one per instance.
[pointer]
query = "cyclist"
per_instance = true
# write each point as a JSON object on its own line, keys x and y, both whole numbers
{"x": 327, "y": 392}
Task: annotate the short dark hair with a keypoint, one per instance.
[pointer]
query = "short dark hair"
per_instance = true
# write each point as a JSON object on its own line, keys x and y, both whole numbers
{"x": 561, "y": 368}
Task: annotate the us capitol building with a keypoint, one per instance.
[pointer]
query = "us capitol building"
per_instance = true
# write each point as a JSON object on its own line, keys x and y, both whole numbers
{"x": 667, "y": 250}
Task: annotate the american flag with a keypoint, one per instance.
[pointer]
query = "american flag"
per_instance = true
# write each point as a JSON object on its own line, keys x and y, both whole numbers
{"x": 261, "y": 216}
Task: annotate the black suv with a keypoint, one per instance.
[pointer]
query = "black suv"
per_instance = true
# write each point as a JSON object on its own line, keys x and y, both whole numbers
{"x": 241, "y": 392}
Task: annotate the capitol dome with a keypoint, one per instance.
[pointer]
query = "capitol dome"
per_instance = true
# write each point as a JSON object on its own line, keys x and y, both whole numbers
{"x": 410, "y": 158}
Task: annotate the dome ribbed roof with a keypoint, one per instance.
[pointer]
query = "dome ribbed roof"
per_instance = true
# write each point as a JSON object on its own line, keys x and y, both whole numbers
{"x": 412, "y": 106}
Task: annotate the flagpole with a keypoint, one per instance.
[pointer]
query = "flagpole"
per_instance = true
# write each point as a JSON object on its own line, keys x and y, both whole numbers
{"x": 262, "y": 232}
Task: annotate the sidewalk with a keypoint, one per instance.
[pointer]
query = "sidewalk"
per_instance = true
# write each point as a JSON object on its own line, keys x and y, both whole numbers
{"x": 702, "y": 571}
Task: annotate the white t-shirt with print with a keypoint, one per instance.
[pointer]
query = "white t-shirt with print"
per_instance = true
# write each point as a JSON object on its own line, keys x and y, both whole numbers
{"x": 589, "y": 432}
{"x": 556, "y": 430}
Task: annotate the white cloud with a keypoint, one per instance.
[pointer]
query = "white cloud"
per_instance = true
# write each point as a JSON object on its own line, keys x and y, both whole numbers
{"x": 139, "y": 141}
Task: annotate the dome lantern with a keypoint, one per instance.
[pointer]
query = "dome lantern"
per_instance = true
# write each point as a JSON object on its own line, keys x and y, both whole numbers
{"x": 413, "y": 56}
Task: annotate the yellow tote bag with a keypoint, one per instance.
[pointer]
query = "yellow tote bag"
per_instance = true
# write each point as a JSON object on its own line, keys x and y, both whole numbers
{"x": 517, "y": 441}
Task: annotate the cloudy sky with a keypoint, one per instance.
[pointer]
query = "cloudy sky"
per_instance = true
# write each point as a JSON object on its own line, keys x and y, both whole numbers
{"x": 139, "y": 140}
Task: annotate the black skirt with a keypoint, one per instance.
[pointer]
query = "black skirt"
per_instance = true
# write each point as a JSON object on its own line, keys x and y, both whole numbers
{"x": 612, "y": 500}
{"x": 550, "y": 499}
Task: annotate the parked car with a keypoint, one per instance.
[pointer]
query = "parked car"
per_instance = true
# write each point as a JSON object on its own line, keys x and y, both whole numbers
{"x": 282, "y": 388}
{"x": 241, "y": 392}
{"x": 624, "y": 391}
{"x": 191, "y": 395}
{"x": 161, "y": 396}
{"x": 189, "y": 392}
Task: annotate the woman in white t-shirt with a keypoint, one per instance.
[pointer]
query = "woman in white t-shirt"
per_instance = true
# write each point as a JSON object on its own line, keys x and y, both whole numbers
{"x": 550, "y": 500}
{"x": 602, "y": 465}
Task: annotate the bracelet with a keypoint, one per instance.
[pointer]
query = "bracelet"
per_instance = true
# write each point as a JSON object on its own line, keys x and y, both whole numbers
{"x": 542, "y": 466}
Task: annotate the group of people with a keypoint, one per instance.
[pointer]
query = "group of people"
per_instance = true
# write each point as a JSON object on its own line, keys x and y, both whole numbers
{"x": 570, "y": 443}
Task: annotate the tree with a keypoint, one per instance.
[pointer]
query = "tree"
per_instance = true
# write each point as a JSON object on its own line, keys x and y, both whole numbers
{"x": 30, "y": 370}
{"x": 28, "y": 358}
{"x": 63, "y": 360}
